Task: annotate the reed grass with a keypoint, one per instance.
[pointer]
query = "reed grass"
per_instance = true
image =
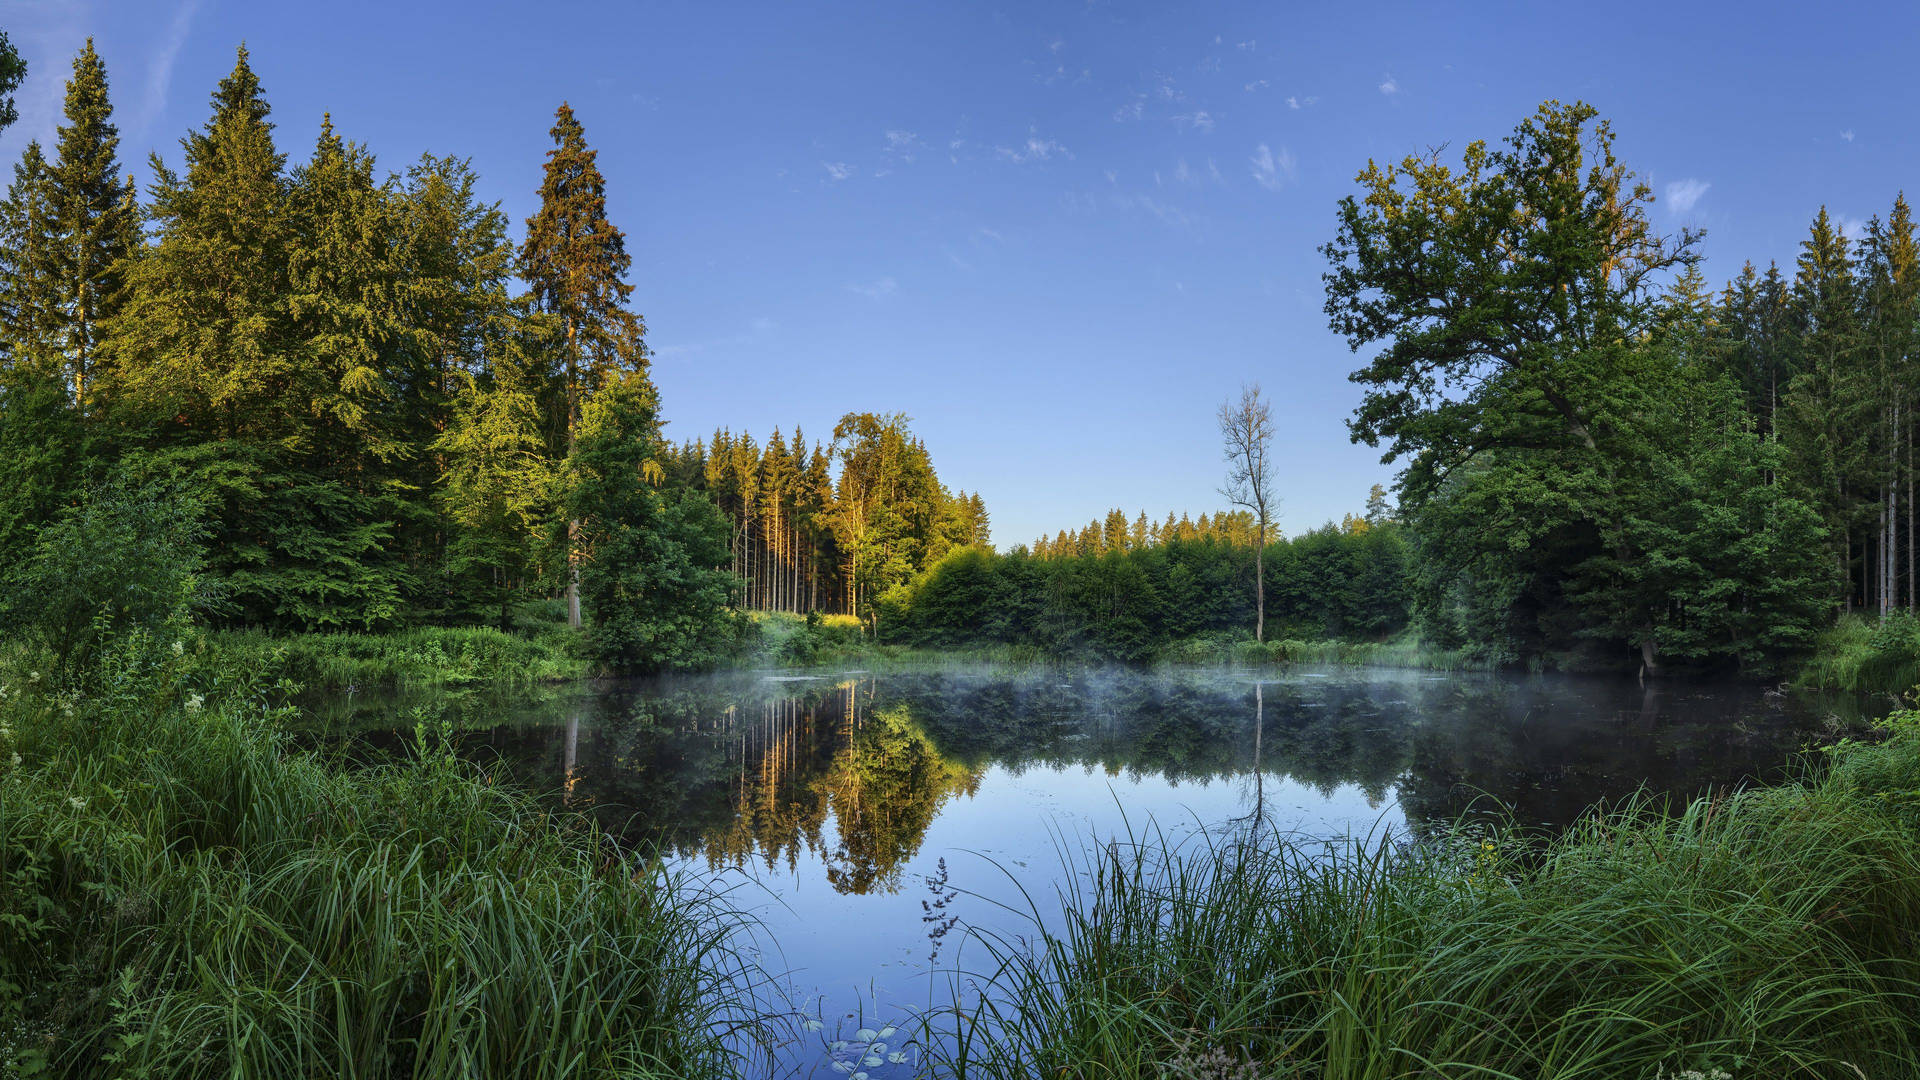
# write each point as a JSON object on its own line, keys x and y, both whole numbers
{"x": 1764, "y": 933}
{"x": 185, "y": 895}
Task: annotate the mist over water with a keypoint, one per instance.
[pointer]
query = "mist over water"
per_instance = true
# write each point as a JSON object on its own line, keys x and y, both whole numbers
{"x": 867, "y": 819}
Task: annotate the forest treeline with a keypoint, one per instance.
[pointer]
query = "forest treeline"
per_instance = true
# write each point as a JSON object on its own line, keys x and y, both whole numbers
{"x": 381, "y": 408}
{"x": 1131, "y": 591}
{"x": 376, "y": 407}
{"x": 807, "y": 538}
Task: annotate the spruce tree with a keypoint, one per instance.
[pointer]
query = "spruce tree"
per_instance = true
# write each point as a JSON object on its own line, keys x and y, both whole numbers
{"x": 95, "y": 218}
{"x": 576, "y": 262}
{"x": 13, "y": 71}
{"x": 203, "y": 344}
{"x": 29, "y": 286}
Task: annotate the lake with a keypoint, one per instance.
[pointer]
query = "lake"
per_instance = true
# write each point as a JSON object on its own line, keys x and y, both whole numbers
{"x": 867, "y": 818}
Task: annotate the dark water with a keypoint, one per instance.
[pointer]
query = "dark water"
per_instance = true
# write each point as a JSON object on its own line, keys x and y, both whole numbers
{"x": 867, "y": 811}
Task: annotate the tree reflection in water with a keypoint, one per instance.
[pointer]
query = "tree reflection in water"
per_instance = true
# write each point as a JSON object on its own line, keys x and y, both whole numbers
{"x": 740, "y": 770}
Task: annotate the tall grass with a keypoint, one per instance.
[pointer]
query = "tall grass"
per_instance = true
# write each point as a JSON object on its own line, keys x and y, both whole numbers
{"x": 184, "y": 895}
{"x": 416, "y": 657}
{"x": 1770, "y": 933}
{"x": 1866, "y": 654}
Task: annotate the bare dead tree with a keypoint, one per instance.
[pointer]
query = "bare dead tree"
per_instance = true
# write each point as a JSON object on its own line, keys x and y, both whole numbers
{"x": 1246, "y": 430}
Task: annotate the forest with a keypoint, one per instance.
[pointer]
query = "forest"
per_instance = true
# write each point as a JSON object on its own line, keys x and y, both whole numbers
{"x": 373, "y": 407}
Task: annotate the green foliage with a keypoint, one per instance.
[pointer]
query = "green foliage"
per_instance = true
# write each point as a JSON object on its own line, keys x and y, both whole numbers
{"x": 125, "y": 560}
{"x": 1138, "y": 603}
{"x": 1867, "y": 655}
{"x": 13, "y": 70}
{"x": 420, "y": 656}
{"x": 44, "y": 453}
{"x": 1765, "y": 933}
{"x": 187, "y": 895}
{"x": 647, "y": 577}
{"x": 1580, "y": 475}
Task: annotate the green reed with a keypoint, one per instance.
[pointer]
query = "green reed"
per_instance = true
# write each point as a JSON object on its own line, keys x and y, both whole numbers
{"x": 1763, "y": 933}
{"x": 186, "y": 895}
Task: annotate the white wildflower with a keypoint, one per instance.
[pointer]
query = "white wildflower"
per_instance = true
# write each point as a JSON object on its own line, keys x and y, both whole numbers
{"x": 33, "y": 676}
{"x": 195, "y": 702}
{"x": 16, "y": 760}
{"x": 179, "y": 646}
{"x": 77, "y": 802}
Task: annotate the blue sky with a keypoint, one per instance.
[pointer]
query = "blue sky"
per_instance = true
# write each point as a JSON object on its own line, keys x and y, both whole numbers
{"x": 1057, "y": 235}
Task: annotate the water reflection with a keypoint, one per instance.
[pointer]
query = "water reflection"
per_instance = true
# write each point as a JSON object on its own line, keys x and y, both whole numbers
{"x": 850, "y": 774}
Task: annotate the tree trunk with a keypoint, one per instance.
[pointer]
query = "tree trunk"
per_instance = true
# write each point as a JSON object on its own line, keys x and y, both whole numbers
{"x": 573, "y": 573}
{"x": 1260, "y": 586}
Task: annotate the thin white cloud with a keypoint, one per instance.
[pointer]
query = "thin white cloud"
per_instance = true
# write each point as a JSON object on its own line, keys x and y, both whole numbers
{"x": 160, "y": 66}
{"x": 1853, "y": 228}
{"x": 1199, "y": 120}
{"x": 875, "y": 290}
{"x": 757, "y": 330}
{"x": 902, "y": 145}
{"x": 1847, "y": 134}
{"x": 1272, "y": 170}
{"x": 1170, "y": 215}
{"x": 47, "y": 34}
{"x": 1246, "y": 46}
{"x": 1389, "y": 86}
{"x": 1683, "y": 195}
{"x": 1132, "y": 110}
{"x": 1034, "y": 149}
{"x": 839, "y": 170}
{"x": 1258, "y": 84}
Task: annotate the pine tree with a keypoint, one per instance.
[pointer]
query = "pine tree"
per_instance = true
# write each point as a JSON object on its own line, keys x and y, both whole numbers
{"x": 95, "y": 217}
{"x": 576, "y": 262}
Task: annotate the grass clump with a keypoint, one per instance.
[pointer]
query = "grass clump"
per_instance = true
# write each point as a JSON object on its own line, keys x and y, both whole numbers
{"x": 185, "y": 895}
{"x": 424, "y": 656}
{"x": 1868, "y": 655}
{"x": 1772, "y": 932}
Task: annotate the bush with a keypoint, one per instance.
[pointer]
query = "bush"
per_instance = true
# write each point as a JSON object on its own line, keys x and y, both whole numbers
{"x": 125, "y": 560}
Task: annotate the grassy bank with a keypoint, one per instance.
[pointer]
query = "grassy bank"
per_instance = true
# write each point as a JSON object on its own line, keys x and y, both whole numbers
{"x": 184, "y": 895}
{"x": 405, "y": 659}
{"x": 1867, "y": 654}
{"x": 782, "y": 640}
{"x": 1403, "y": 651}
{"x": 1772, "y": 932}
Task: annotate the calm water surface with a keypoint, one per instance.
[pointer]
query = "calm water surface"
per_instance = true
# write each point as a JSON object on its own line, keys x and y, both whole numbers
{"x": 856, "y": 812}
